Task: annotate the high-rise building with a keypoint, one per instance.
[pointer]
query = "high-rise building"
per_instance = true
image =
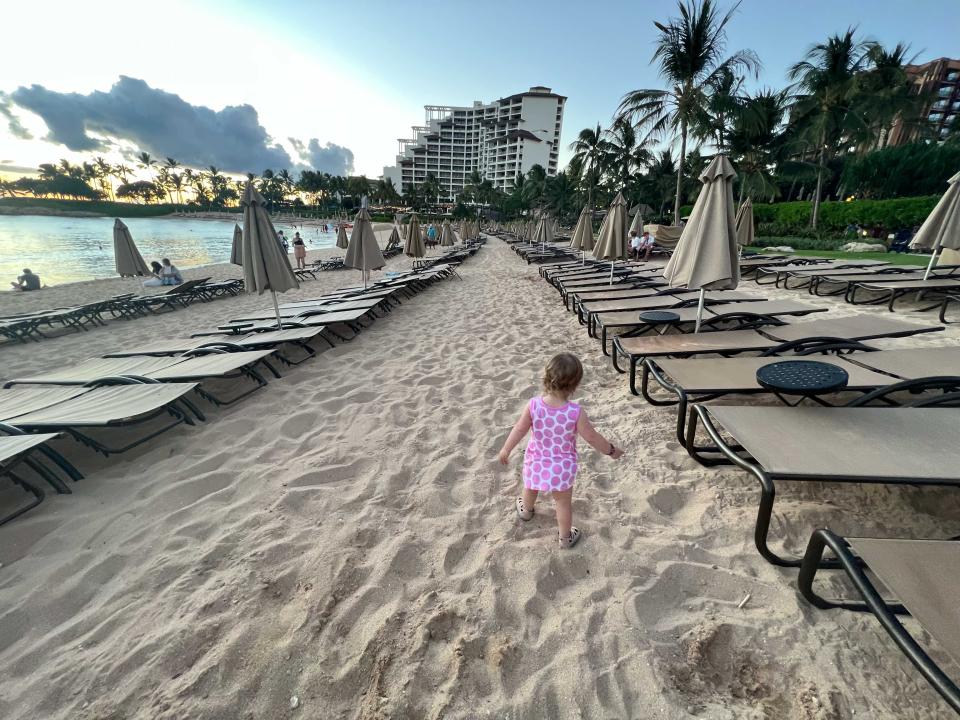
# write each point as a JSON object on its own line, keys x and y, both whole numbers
{"x": 941, "y": 79}
{"x": 497, "y": 139}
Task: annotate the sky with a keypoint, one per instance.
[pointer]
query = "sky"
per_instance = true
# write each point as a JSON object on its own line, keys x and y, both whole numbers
{"x": 248, "y": 85}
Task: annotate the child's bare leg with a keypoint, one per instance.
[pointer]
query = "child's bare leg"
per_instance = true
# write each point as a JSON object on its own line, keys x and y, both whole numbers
{"x": 529, "y": 497}
{"x": 564, "y": 504}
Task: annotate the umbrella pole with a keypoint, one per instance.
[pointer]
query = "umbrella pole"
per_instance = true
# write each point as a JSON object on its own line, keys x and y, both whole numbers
{"x": 696, "y": 328}
{"x": 611, "y": 272}
{"x": 933, "y": 259}
{"x": 276, "y": 309}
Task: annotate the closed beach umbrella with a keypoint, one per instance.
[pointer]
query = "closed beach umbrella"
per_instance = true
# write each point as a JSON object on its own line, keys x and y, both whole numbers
{"x": 414, "y": 247}
{"x": 363, "y": 253}
{"x": 236, "y": 252}
{"x": 446, "y": 235}
{"x": 941, "y": 229}
{"x": 706, "y": 256}
{"x": 129, "y": 261}
{"x": 582, "y": 239}
{"x": 745, "y": 224}
{"x": 612, "y": 240}
{"x": 637, "y": 224}
{"x": 394, "y": 238}
{"x": 265, "y": 264}
{"x": 543, "y": 233}
{"x": 342, "y": 241}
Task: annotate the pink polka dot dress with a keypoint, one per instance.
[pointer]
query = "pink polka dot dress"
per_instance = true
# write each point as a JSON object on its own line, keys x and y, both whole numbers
{"x": 550, "y": 461}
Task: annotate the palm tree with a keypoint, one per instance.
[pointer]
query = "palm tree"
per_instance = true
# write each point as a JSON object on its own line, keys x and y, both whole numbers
{"x": 825, "y": 104}
{"x": 885, "y": 93}
{"x": 627, "y": 154}
{"x": 122, "y": 173}
{"x": 690, "y": 52}
{"x": 171, "y": 164}
{"x": 756, "y": 143}
{"x": 177, "y": 182}
{"x": 591, "y": 150}
{"x": 723, "y": 102}
{"x": 145, "y": 161}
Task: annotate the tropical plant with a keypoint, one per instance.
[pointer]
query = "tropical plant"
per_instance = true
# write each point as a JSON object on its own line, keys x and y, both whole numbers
{"x": 591, "y": 151}
{"x": 690, "y": 53}
{"x": 825, "y": 103}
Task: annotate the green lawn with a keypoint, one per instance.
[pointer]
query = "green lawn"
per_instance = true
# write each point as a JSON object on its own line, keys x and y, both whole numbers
{"x": 892, "y": 258}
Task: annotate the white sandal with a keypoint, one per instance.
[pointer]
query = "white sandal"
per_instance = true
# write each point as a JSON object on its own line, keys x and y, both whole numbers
{"x": 522, "y": 512}
{"x": 568, "y": 542}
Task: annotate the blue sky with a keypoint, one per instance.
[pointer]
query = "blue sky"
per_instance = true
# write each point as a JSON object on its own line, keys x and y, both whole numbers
{"x": 356, "y": 75}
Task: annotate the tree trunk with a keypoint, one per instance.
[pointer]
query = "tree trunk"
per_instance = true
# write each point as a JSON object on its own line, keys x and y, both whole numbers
{"x": 683, "y": 156}
{"x": 820, "y": 168}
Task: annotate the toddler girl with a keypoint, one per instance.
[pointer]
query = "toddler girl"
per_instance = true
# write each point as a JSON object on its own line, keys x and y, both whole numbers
{"x": 550, "y": 461}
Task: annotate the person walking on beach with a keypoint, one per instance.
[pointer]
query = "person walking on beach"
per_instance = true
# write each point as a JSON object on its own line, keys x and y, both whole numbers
{"x": 299, "y": 251}
{"x": 26, "y": 282}
{"x": 431, "y": 235}
{"x": 550, "y": 460}
{"x": 283, "y": 241}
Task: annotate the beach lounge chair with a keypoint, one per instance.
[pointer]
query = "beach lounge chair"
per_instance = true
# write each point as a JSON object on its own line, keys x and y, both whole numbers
{"x": 775, "y": 274}
{"x": 921, "y": 574}
{"x": 699, "y": 380}
{"x": 715, "y": 314}
{"x": 888, "y": 292}
{"x": 270, "y": 340}
{"x": 16, "y": 450}
{"x": 900, "y": 445}
{"x": 352, "y": 319}
{"x": 195, "y": 367}
{"x": 75, "y": 410}
{"x": 176, "y": 297}
{"x": 763, "y": 337}
{"x": 586, "y": 309}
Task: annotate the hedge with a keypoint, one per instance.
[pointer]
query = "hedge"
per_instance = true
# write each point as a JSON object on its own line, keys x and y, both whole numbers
{"x": 793, "y": 218}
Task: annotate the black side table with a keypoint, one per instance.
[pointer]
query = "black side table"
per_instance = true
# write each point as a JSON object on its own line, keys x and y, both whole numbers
{"x": 659, "y": 320}
{"x": 803, "y": 378}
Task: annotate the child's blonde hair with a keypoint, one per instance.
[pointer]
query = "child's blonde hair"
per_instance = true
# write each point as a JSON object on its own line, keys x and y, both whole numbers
{"x": 562, "y": 374}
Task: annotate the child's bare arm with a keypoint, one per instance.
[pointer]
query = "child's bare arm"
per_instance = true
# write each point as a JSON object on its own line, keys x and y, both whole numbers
{"x": 595, "y": 439}
{"x": 516, "y": 435}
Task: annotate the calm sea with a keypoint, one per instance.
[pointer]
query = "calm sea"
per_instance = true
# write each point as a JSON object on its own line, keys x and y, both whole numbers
{"x": 63, "y": 249}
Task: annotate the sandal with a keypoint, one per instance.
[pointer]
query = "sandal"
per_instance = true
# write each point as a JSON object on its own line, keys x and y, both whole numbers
{"x": 568, "y": 542}
{"x": 522, "y": 512}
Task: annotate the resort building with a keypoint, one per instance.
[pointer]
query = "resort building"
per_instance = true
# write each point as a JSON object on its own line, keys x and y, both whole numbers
{"x": 941, "y": 79}
{"x": 497, "y": 139}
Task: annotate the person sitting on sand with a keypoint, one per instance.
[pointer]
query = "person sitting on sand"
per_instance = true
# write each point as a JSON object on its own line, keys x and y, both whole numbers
{"x": 26, "y": 282}
{"x": 550, "y": 461}
{"x": 299, "y": 251}
{"x": 154, "y": 280}
{"x": 169, "y": 275}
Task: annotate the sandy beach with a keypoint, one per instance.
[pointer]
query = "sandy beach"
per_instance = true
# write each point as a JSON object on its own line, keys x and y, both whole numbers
{"x": 342, "y": 544}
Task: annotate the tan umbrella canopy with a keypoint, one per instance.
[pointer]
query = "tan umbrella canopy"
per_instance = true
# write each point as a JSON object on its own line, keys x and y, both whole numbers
{"x": 446, "y": 235}
{"x": 745, "y": 224}
{"x": 403, "y": 231}
{"x": 414, "y": 247}
{"x": 706, "y": 256}
{"x": 236, "y": 251}
{"x": 637, "y": 224}
{"x": 265, "y": 264}
{"x": 543, "y": 232}
{"x": 342, "y": 241}
{"x": 582, "y": 239}
{"x": 363, "y": 252}
{"x": 941, "y": 229}
{"x": 129, "y": 261}
{"x": 612, "y": 239}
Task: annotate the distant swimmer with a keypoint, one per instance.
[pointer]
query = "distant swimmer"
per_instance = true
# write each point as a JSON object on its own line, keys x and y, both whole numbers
{"x": 26, "y": 282}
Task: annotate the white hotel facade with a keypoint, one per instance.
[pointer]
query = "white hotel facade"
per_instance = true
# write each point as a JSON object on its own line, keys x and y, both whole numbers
{"x": 497, "y": 139}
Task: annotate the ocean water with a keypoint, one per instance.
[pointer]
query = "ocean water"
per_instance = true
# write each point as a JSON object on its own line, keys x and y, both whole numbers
{"x": 64, "y": 249}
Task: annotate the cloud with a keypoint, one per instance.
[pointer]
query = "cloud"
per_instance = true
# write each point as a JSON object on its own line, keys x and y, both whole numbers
{"x": 330, "y": 158}
{"x": 13, "y": 123}
{"x": 165, "y": 125}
